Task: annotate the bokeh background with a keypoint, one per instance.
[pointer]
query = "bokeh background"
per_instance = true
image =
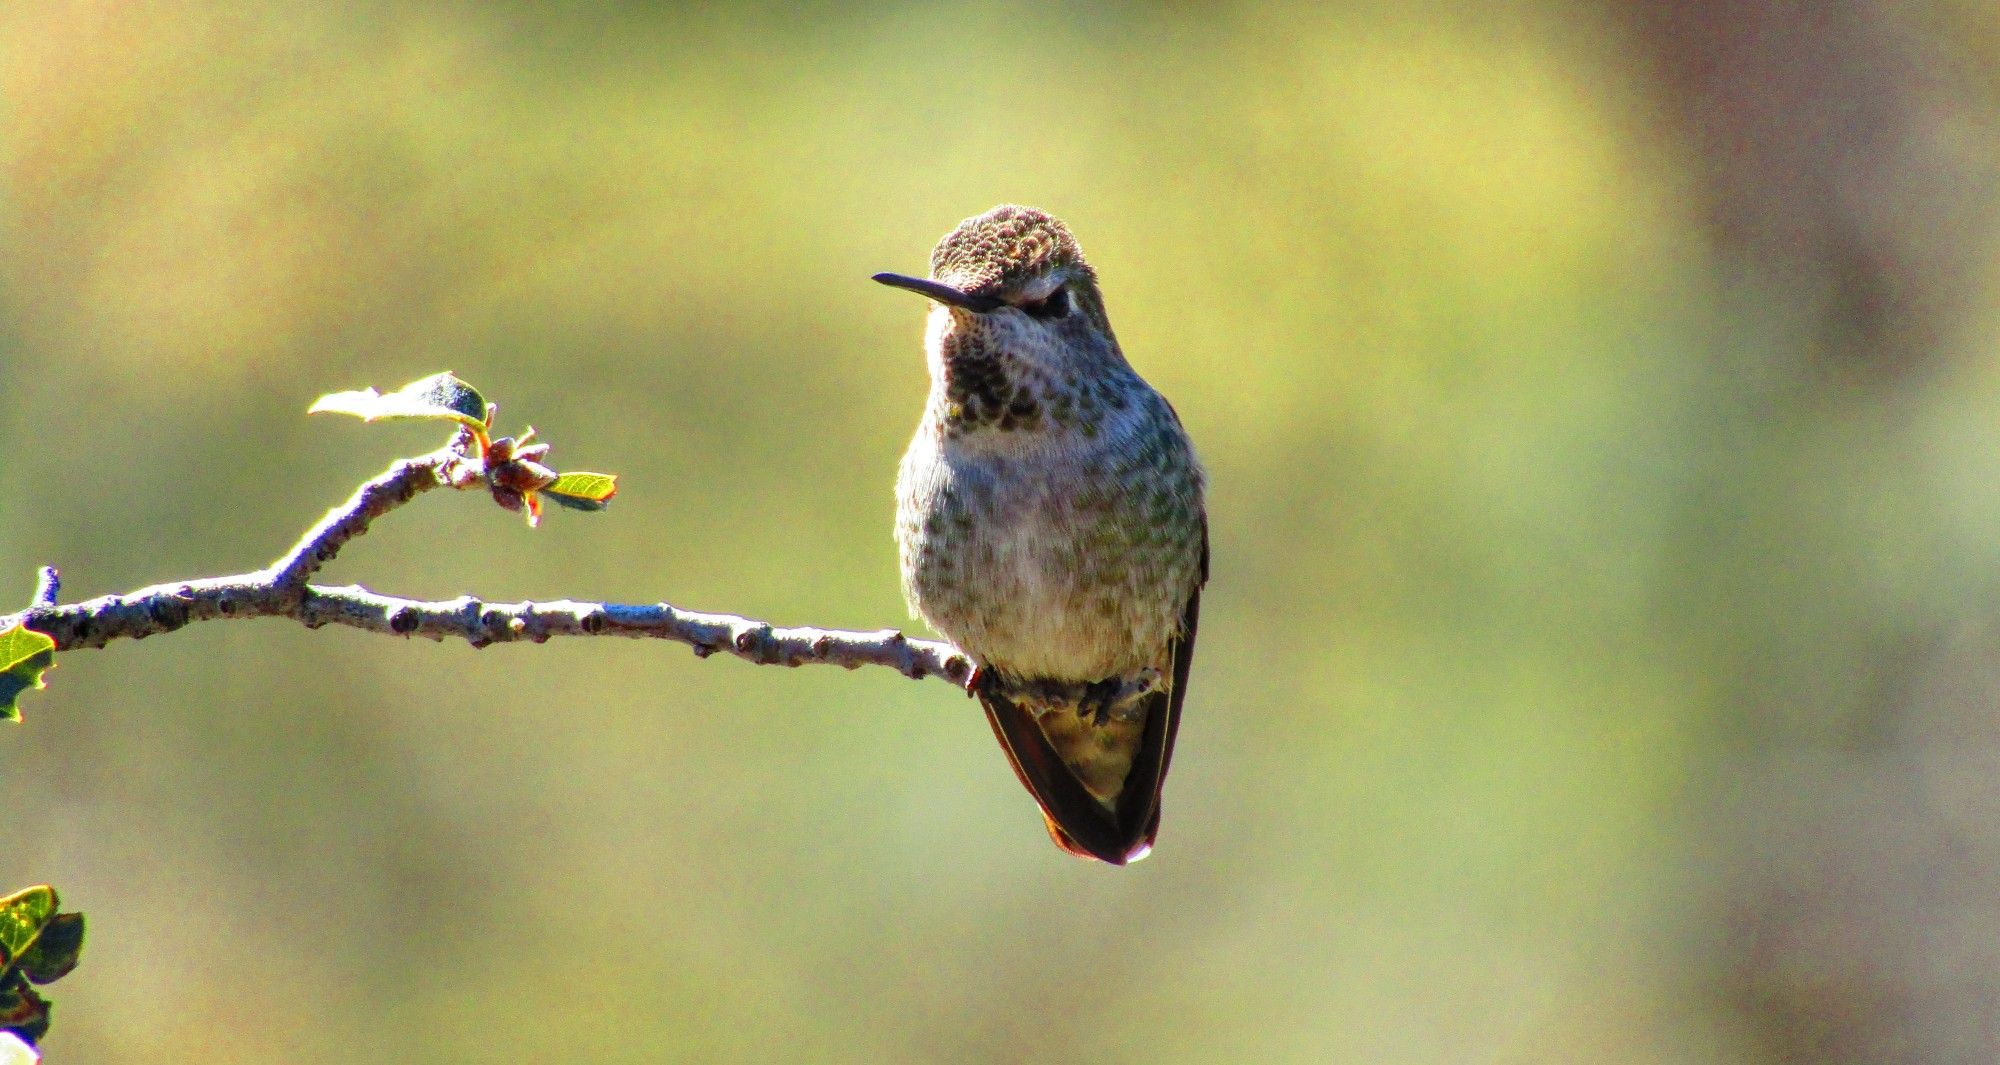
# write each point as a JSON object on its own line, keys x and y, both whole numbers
{"x": 1602, "y": 403}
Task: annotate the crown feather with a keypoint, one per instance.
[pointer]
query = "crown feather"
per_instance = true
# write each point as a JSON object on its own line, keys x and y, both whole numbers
{"x": 1005, "y": 248}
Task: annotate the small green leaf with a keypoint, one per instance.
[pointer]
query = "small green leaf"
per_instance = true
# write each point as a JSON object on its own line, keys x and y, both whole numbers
{"x": 440, "y": 396}
{"x": 583, "y": 491}
{"x": 22, "y": 918}
{"x": 24, "y": 655}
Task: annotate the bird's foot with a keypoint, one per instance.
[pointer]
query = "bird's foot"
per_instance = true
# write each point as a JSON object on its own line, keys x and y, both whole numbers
{"x": 1095, "y": 705}
{"x": 1119, "y": 698}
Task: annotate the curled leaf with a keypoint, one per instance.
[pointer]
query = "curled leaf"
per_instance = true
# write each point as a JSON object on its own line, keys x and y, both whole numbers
{"x": 439, "y": 396}
{"x": 56, "y": 950}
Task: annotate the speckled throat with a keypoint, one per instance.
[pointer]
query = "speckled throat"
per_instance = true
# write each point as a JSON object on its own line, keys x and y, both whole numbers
{"x": 994, "y": 380}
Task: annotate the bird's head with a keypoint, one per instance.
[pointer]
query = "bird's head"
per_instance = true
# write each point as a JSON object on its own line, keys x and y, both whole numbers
{"x": 1011, "y": 287}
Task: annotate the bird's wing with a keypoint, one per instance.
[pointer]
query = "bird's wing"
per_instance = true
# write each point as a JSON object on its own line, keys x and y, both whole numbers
{"x": 1153, "y": 761}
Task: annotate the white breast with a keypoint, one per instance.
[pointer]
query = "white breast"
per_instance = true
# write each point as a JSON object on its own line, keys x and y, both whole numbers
{"x": 1020, "y": 556}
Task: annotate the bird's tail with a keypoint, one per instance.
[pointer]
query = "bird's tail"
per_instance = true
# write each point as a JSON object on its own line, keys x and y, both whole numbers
{"x": 1096, "y": 776}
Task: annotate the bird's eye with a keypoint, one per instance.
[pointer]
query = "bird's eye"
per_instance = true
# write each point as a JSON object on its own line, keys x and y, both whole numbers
{"x": 1054, "y": 305}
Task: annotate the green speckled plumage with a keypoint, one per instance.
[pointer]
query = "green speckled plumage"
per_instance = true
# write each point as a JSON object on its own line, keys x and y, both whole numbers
{"x": 1051, "y": 524}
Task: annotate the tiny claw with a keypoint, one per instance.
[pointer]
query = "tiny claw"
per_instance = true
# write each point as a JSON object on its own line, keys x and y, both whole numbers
{"x": 975, "y": 681}
{"x": 1095, "y": 705}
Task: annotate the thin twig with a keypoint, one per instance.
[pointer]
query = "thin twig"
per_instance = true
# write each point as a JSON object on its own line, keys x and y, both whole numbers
{"x": 392, "y": 488}
{"x": 280, "y": 590}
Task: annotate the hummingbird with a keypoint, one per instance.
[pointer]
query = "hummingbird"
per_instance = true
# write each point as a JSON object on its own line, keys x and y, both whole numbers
{"x": 1050, "y": 522}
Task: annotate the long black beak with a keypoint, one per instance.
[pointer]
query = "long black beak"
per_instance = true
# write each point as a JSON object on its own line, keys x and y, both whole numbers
{"x": 940, "y": 292}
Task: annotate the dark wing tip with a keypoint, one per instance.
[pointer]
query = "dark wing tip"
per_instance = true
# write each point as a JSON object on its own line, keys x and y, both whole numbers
{"x": 1066, "y": 842}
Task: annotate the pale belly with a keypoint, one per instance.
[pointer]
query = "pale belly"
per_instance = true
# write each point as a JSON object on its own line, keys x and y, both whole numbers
{"x": 1075, "y": 568}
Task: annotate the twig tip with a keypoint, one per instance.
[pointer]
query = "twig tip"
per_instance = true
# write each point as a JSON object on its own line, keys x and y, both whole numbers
{"x": 48, "y": 585}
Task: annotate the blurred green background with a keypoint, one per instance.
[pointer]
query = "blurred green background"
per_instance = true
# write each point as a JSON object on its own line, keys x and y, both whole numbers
{"x": 1603, "y": 416}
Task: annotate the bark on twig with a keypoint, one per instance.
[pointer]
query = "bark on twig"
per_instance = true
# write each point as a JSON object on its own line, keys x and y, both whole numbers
{"x": 280, "y": 590}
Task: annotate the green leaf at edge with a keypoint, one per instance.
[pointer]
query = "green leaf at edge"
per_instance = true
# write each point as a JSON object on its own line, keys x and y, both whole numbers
{"x": 22, "y": 917}
{"x": 24, "y": 655}
{"x": 37, "y": 944}
{"x": 583, "y": 491}
{"x": 439, "y": 396}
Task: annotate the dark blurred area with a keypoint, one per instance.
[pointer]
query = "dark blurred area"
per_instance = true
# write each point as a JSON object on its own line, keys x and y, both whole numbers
{"x": 1603, "y": 417}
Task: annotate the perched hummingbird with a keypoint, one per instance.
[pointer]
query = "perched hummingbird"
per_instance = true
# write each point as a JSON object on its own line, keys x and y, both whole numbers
{"x": 1050, "y": 520}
